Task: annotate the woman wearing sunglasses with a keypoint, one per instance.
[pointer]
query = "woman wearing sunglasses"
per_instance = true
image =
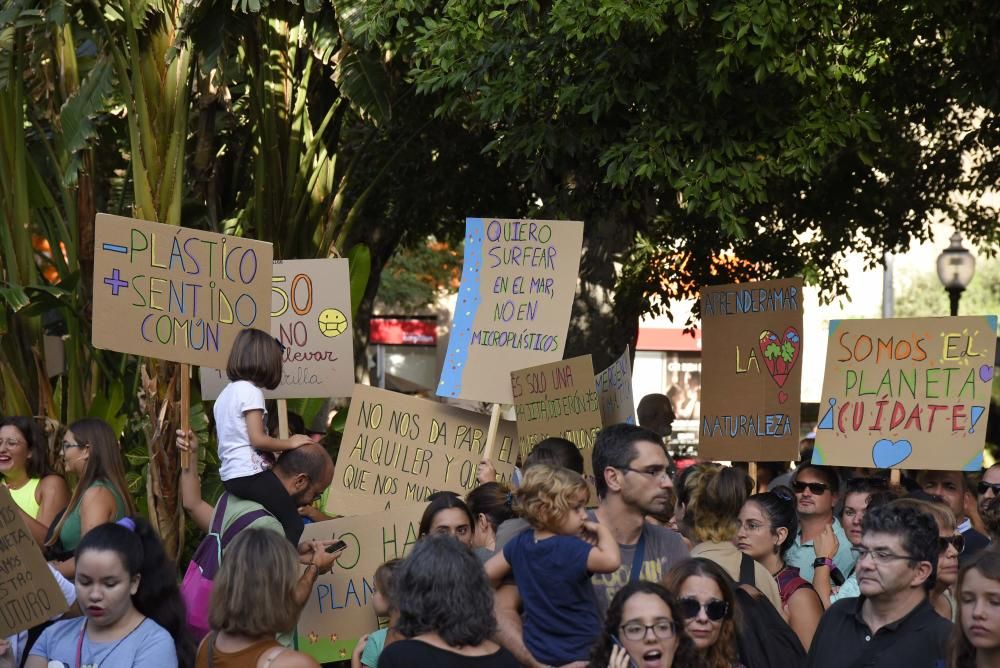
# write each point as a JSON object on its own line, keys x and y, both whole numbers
{"x": 768, "y": 526}
{"x": 644, "y": 629}
{"x": 952, "y": 544}
{"x": 707, "y": 606}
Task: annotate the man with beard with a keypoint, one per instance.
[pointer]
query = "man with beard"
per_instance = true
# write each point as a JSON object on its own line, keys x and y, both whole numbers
{"x": 955, "y": 490}
{"x": 892, "y": 623}
{"x": 632, "y": 478}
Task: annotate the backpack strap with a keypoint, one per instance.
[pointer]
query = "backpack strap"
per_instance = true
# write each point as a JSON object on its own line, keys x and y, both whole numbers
{"x": 640, "y": 553}
{"x": 220, "y": 513}
{"x": 747, "y": 576}
{"x": 239, "y": 524}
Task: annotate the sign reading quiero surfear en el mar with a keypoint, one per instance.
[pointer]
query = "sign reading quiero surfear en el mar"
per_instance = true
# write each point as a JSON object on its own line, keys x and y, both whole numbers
{"x": 907, "y": 392}
{"x": 339, "y": 610}
{"x": 176, "y": 293}
{"x": 311, "y": 317}
{"x": 751, "y": 371}
{"x": 402, "y": 448}
{"x": 513, "y": 306}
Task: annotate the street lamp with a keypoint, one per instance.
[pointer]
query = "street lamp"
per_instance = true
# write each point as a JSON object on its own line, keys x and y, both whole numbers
{"x": 955, "y": 268}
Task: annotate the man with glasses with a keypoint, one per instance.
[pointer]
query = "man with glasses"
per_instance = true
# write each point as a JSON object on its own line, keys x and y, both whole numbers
{"x": 892, "y": 623}
{"x": 816, "y": 489}
{"x": 955, "y": 490}
{"x": 632, "y": 477}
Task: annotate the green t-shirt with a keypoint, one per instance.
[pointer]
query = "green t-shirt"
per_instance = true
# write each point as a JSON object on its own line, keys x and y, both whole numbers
{"x": 373, "y": 648}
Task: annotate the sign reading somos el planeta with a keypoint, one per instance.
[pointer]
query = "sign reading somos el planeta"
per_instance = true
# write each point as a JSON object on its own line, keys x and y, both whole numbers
{"x": 751, "y": 373}
{"x": 175, "y": 293}
{"x": 513, "y": 306}
{"x": 907, "y": 392}
{"x": 557, "y": 399}
{"x": 339, "y": 610}
{"x": 311, "y": 316}
{"x": 401, "y": 448}
{"x": 29, "y": 595}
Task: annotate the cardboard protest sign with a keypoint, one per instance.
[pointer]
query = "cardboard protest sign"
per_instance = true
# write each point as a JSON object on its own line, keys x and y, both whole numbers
{"x": 339, "y": 610}
{"x": 907, "y": 392}
{"x": 402, "y": 448}
{"x": 29, "y": 595}
{"x": 614, "y": 391}
{"x": 175, "y": 293}
{"x": 557, "y": 399}
{"x": 751, "y": 374}
{"x": 518, "y": 282}
{"x": 311, "y": 316}
{"x": 341, "y": 503}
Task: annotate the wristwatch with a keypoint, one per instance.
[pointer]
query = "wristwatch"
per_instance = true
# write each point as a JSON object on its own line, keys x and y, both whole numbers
{"x": 835, "y": 575}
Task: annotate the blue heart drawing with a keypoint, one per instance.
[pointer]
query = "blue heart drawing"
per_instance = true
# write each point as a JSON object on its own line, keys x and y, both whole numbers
{"x": 887, "y": 454}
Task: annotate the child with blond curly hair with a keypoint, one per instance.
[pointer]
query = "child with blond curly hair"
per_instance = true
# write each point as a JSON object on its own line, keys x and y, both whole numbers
{"x": 552, "y": 564}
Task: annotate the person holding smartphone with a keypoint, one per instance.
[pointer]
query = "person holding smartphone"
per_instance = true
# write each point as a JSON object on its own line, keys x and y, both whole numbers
{"x": 644, "y": 629}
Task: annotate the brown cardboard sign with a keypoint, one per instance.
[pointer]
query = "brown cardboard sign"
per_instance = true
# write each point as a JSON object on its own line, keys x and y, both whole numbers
{"x": 339, "y": 611}
{"x": 513, "y": 307}
{"x": 614, "y": 391}
{"x": 907, "y": 393}
{"x": 175, "y": 293}
{"x": 752, "y": 371}
{"x": 311, "y": 316}
{"x": 401, "y": 448}
{"x": 29, "y": 595}
{"x": 557, "y": 399}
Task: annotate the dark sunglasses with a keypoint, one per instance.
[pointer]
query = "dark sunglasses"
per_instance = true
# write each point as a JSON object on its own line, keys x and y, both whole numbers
{"x": 957, "y": 541}
{"x": 714, "y": 609}
{"x": 984, "y": 487}
{"x": 816, "y": 488}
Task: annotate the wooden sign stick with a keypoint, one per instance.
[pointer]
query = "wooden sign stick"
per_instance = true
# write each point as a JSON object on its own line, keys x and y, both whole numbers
{"x": 752, "y": 472}
{"x": 895, "y": 477}
{"x": 185, "y": 372}
{"x": 491, "y": 434}
{"x": 282, "y": 419}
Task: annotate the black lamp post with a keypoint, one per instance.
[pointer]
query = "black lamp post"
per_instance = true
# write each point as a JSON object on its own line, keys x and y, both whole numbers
{"x": 955, "y": 268}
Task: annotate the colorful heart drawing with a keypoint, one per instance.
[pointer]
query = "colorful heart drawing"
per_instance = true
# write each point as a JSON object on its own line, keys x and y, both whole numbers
{"x": 780, "y": 353}
{"x": 782, "y": 397}
{"x": 986, "y": 372}
{"x": 886, "y": 453}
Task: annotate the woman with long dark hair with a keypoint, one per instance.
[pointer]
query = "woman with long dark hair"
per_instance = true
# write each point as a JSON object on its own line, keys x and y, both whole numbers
{"x": 133, "y": 614}
{"x": 447, "y": 514}
{"x": 37, "y": 490}
{"x": 975, "y": 639}
{"x": 644, "y": 626}
{"x": 708, "y": 609}
{"x": 91, "y": 453}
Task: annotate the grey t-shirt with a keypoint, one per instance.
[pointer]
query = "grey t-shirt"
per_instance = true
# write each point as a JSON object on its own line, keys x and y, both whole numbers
{"x": 148, "y": 645}
{"x": 664, "y": 548}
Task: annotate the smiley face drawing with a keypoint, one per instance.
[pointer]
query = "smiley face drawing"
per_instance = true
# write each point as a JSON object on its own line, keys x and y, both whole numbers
{"x": 332, "y": 322}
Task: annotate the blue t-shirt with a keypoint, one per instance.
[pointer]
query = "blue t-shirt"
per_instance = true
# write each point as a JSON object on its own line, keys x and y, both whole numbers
{"x": 148, "y": 645}
{"x": 560, "y": 609}
{"x": 373, "y": 648}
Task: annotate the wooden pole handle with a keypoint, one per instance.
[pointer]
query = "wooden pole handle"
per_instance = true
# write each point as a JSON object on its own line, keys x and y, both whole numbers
{"x": 185, "y": 372}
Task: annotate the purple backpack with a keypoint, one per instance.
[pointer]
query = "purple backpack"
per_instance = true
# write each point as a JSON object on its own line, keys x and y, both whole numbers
{"x": 196, "y": 589}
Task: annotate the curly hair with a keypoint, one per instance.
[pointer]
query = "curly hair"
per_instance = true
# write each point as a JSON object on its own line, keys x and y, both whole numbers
{"x": 724, "y": 653}
{"x": 685, "y": 655}
{"x": 547, "y": 494}
{"x": 442, "y": 588}
{"x": 961, "y": 653}
{"x": 716, "y": 494}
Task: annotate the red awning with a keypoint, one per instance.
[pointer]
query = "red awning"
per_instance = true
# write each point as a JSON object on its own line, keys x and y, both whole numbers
{"x": 663, "y": 338}
{"x": 404, "y": 331}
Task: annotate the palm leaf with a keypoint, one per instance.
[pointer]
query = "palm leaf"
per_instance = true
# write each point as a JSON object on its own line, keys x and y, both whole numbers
{"x": 363, "y": 80}
{"x": 77, "y": 116}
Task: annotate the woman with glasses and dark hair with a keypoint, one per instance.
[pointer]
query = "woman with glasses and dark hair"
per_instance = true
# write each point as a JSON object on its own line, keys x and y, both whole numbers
{"x": 91, "y": 452}
{"x": 37, "y": 490}
{"x": 952, "y": 544}
{"x": 768, "y": 525}
{"x": 644, "y": 628}
{"x": 708, "y": 608}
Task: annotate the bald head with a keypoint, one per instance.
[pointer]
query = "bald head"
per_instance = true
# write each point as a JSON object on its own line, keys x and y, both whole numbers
{"x": 305, "y": 472}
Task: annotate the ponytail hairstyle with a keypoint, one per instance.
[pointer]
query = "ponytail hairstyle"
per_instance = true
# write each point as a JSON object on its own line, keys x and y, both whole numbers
{"x": 778, "y": 505}
{"x": 492, "y": 500}
{"x": 142, "y": 554}
{"x": 104, "y": 463}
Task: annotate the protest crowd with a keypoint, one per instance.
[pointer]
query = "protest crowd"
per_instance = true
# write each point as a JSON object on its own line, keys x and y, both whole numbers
{"x": 570, "y": 537}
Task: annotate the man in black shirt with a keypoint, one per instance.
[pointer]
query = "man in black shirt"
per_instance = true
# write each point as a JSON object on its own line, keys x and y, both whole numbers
{"x": 892, "y": 623}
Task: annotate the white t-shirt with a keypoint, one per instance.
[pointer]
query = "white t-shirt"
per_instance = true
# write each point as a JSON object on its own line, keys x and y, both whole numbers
{"x": 238, "y": 458}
